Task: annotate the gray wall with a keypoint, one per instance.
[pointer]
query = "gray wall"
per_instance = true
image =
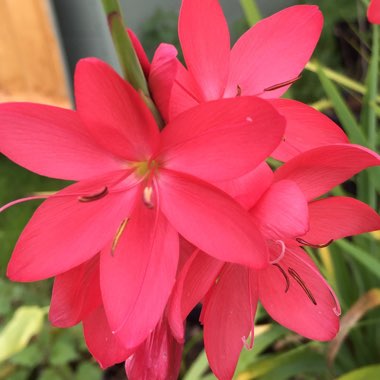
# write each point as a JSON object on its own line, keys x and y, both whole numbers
{"x": 83, "y": 30}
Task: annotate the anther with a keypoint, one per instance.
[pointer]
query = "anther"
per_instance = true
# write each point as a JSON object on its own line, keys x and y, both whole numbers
{"x": 285, "y": 276}
{"x": 238, "y": 91}
{"x": 282, "y": 84}
{"x": 304, "y": 242}
{"x": 147, "y": 196}
{"x": 248, "y": 341}
{"x": 117, "y": 237}
{"x": 95, "y": 196}
{"x": 300, "y": 282}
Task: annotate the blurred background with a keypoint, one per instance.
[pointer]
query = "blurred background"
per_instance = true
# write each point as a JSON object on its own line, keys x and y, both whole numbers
{"x": 40, "y": 43}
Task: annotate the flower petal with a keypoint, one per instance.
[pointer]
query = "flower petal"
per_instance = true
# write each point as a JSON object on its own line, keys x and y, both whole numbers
{"x": 64, "y": 232}
{"x": 193, "y": 282}
{"x": 274, "y": 51}
{"x": 320, "y": 169}
{"x": 307, "y": 305}
{"x": 158, "y": 358}
{"x": 222, "y": 139}
{"x": 143, "y": 59}
{"x": 51, "y": 141}
{"x": 76, "y": 294}
{"x": 339, "y": 217}
{"x": 373, "y": 12}
{"x": 143, "y": 264}
{"x": 113, "y": 111}
{"x": 228, "y": 314}
{"x": 205, "y": 42}
{"x": 211, "y": 220}
{"x": 185, "y": 93}
{"x": 162, "y": 75}
{"x": 282, "y": 212}
{"x": 306, "y": 128}
{"x": 104, "y": 346}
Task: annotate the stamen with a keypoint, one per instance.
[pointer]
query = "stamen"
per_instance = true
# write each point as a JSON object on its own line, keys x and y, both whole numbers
{"x": 300, "y": 282}
{"x": 238, "y": 90}
{"x": 304, "y": 242}
{"x": 285, "y": 276}
{"x": 94, "y": 197}
{"x": 147, "y": 196}
{"x": 117, "y": 237}
{"x": 282, "y": 84}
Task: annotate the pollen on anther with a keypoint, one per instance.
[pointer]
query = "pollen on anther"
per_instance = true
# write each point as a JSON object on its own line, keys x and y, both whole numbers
{"x": 148, "y": 196}
{"x": 95, "y": 196}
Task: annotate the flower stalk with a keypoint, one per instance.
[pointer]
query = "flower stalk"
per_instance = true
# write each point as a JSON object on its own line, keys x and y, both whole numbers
{"x": 130, "y": 65}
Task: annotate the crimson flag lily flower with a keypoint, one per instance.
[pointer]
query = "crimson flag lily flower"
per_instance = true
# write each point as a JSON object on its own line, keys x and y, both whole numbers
{"x": 263, "y": 62}
{"x": 373, "y": 12}
{"x": 291, "y": 289}
{"x": 136, "y": 190}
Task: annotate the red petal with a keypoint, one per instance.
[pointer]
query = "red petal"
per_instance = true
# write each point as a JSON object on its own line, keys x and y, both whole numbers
{"x": 113, "y": 111}
{"x": 162, "y": 75}
{"x": 306, "y": 128}
{"x": 205, "y": 42}
{"x": 65, "y": 232}
{"x": 158, "y": 358}
{"x": 373, "y": 12}
{"x": 282, "y": 212}
{"x": 192, "y": 284}
{"x": 274, "y": 51}
{"x": 293, "y": 308}
{"x": 143, "y": 59}
{"x": 338, "y": 217}
{"x": 51, "y": 141}
{"x": 228, "y": 314}
{"x": 185, "y": 93}
{"x": 211, "y": 220}
{"x": 137, "y": 278}
{"x": 248, "y": 188}
{"x": 104, "y": 346}
{"x": 319, "y": 170}
{"x": 199, "y": 140}
{"x": 76, "y": 294}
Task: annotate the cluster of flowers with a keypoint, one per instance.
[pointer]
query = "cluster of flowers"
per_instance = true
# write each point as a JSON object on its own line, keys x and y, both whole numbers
{"x": 159, "y": 221}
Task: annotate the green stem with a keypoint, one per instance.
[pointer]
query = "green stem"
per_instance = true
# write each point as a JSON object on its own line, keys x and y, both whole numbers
{"x": 372, "y": 95}
{"x": 127, "y": 56}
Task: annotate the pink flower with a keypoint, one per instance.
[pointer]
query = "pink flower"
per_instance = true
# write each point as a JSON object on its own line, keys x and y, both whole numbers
{"x": 373, "y": 12}
{"x": 291, "y": 289}
{"x": 263, "y": 62}
{"x": 137, "y": 190}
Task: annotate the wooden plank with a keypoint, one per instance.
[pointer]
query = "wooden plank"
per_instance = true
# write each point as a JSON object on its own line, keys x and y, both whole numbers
{"x": 31, "y": 66}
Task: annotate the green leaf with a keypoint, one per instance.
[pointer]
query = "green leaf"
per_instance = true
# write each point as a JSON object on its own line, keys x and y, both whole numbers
{"x": 30, "y": 357}
{"x": 364, "y": 373}
{"x": 87, "y": 371}
{"x": 303, "y": 359}
{"x": 368, "y": 261}
{"x": 198, "y": 368}
{"x": 342, "y": 110}
{"x": 63, "y": 352}
{"x": 26, "y": 322}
